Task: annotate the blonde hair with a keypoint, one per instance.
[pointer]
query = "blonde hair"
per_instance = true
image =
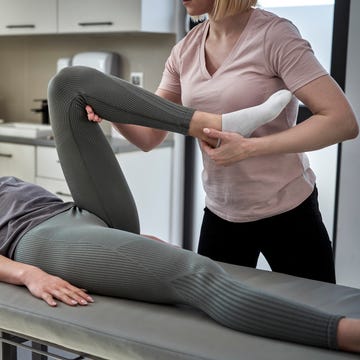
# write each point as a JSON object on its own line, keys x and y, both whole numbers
{"x": 223, "y": 8}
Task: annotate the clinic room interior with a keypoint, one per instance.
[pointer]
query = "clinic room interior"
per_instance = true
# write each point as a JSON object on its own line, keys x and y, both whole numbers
{"x": 132, "y": 40}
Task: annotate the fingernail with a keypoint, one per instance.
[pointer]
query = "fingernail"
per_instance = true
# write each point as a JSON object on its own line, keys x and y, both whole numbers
{"x": 206, "y": 130}
{"x": 84, "y": 302}
{"x": 74, "y": 302}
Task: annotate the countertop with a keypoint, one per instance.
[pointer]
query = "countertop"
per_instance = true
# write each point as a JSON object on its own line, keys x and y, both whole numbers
{"x": 118, "y": 145}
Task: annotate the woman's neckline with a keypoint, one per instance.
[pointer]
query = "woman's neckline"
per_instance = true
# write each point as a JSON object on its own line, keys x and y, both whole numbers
{"x": 239, "y": 39}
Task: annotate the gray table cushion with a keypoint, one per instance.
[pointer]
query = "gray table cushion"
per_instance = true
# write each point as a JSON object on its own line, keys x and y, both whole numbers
{"x": 121, "y": 329}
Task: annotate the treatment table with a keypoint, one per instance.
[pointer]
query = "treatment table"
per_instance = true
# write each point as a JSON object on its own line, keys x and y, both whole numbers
{"x": 118, "y": 329}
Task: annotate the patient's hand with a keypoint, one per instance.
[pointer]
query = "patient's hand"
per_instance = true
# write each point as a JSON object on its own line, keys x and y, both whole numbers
{"x": 91, "y": 115}
{"x": 48, "y": 288}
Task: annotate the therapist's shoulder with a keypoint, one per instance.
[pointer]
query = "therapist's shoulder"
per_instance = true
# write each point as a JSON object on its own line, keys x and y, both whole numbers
{"x": 191, "y": 40}
{"x": 272, "y": 24}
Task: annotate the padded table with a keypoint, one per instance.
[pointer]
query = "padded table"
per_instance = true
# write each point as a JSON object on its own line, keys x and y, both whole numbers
{"x": 117, "y": 329}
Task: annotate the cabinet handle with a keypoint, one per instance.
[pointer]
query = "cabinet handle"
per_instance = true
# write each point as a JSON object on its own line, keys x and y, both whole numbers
{"x": 60, "y": 193}
{"x": 23, "y": 26}
{"x": 6, "y": 155}
{"x": 99, "y": 23}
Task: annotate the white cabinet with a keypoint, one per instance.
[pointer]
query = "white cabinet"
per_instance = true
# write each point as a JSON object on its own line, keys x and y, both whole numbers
{"x": 26, "y": 17}
{"x": 149, "y": 176}
{"x": 55, "y": 186}
{"x": 19, "y": 17}
{"x": 48, "y": 164}
{"x": 49, "y": 173}
{"x": 115, "y": 15}
{"x": 17, "y": 160}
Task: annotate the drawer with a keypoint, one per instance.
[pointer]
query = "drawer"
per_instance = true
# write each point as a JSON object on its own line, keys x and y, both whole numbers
{"x": 57, "y": 187}
{"x": 48, "y": 164}
{"x": 17, "y": 160}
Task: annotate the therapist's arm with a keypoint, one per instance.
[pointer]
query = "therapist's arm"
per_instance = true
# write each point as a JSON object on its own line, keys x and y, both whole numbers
{"x": 143, "y": 137}
{"x": 41, "y": 284}
{"x": 332, "y": 122}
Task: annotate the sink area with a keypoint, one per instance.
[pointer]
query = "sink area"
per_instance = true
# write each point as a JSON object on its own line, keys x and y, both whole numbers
{"x": 25, "y": 130}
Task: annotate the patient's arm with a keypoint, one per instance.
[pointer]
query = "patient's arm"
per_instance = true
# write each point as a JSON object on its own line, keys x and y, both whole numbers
{"x": 41, "y": 284}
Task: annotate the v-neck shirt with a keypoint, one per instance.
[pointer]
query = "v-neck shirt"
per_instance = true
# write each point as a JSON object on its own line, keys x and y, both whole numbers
{"x": 269, "y": 55}
{"x": 229, "y": 56}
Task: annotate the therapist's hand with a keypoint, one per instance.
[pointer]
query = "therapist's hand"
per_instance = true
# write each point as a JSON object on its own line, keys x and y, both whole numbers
{"x": 50, "y": 288}
{"x": 233, "y": 147}
{"x": 91, "y": 115}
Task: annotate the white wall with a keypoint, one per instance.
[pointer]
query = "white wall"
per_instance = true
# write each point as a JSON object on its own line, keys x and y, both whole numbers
{"x": 315, "y": 24}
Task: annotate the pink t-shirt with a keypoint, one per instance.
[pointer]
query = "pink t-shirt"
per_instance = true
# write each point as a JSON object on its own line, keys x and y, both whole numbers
{"x": 269, "y": 55}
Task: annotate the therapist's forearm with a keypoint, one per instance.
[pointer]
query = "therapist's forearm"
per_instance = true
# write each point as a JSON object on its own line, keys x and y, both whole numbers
{"x": 143, "y": 137}
{"x": 315, "y": 133}
{"x": 333, "y": 121}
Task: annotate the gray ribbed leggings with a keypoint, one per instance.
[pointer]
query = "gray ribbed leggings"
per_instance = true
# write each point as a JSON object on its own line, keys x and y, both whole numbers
{"x": 95, "y": 245}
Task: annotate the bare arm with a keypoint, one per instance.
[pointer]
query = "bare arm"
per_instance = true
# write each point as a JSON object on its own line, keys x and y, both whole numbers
{"x": 41, "y": 284}
{"x": 333, "y": 121}
{"x": 143, "y": 137}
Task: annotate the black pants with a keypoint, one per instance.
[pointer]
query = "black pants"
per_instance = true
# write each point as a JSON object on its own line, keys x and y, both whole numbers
{"x": 295, "y": 242}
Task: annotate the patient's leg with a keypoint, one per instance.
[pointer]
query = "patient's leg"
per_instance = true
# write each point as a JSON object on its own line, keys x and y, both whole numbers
{"x": 78, "y": 247}
{"x": 119, "y": 101}
{"x": 80, "y": 142}
{"x": 90, "y": 168}
{"x": 114, "y": 99}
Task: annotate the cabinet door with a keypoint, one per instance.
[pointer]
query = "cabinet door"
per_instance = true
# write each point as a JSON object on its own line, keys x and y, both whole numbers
{"x": 28, "y": 17}
{"x": 114, "y": 15}
{"x": 17, "y": 160}
{"x": 57, "y": 187}
{"x": 48, "y": 164}
{"x": 149, "y": 176}
{"x": 49, "y": 173}
{"x": 99, "y": 16}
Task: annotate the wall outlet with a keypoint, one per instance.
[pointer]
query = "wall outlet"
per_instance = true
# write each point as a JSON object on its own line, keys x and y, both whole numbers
{"x": 137, "y": 78}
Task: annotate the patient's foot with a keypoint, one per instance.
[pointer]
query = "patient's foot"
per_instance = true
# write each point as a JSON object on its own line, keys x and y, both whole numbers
{"x": 246, "y": 121}
{"x": 349, "y": 335}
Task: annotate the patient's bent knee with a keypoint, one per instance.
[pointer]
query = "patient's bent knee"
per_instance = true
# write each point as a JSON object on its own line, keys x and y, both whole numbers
{"x": 71, "y": 81}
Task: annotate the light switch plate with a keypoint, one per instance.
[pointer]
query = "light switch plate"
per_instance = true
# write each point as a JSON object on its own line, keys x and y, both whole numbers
{"x": 137, "y": 78}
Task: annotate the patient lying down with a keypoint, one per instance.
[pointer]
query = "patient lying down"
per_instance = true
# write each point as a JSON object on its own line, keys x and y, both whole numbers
{"x": 57, "y": 249}
{"x": 71, "y": 250}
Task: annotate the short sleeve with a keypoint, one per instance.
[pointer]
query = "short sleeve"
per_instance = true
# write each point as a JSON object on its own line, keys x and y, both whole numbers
{"x": 290, "y": 57}
{"x": 170, "y": 80}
